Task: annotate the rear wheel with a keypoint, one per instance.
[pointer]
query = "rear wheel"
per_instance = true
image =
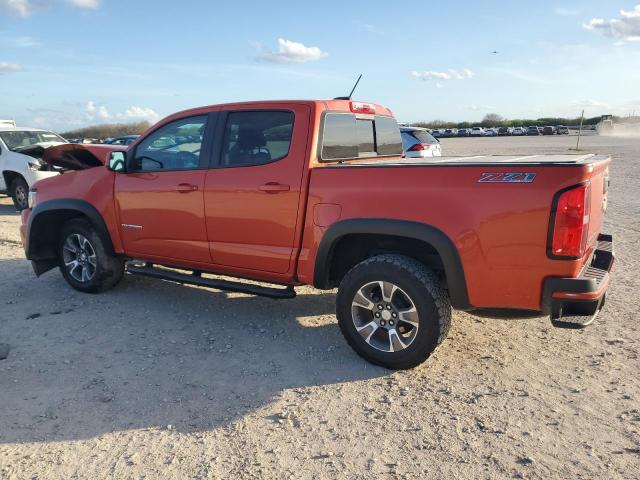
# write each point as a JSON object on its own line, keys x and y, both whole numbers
{"x": 84, "y": 261}
{"x": 393, "y": 311}
{"x": 20, "y": 193}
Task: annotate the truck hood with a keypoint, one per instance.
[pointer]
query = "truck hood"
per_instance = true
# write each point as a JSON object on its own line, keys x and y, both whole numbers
{"x": 36, "y": 150}
{"x": 75, "y": 156}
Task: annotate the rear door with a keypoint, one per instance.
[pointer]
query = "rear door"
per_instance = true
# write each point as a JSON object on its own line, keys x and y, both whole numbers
{"x": 252, "y": 193}
{"x": 160, "y": 197}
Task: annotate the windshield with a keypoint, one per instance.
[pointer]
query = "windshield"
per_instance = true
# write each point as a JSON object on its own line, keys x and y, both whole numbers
{"x": 18, "y": 139}
{"x": 422, "y": 136}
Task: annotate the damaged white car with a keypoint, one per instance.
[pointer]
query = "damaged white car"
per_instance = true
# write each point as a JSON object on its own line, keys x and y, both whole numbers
{"x": 21, "y": 165}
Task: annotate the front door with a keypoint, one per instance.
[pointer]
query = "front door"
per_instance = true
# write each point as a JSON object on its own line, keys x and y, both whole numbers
{"x": 253, "y": 193}
{"x": 160, "y": 197}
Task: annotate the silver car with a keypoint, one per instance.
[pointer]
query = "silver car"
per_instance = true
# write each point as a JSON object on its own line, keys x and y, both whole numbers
{"x": 419, "y": 143}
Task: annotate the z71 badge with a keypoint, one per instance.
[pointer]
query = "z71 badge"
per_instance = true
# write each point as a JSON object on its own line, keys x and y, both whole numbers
{"x": 510, "y": 177}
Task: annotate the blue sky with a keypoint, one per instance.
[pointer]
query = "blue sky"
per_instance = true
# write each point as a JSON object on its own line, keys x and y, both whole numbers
{"x": 70, "y": 63}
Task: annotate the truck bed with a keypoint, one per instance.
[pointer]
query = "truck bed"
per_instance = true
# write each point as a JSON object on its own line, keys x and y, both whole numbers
{"x": 563, "y": 159}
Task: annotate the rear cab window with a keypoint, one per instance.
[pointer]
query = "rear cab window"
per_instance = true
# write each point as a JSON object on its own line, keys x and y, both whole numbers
{"x": 347, "y": 136}
{"x": 256, "y": 137}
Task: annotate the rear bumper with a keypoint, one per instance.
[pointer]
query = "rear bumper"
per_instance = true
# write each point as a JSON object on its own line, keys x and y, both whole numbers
{"x": 575, "y": 302}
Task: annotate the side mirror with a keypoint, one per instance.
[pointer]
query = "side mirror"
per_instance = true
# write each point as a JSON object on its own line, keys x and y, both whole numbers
{"x": 117, "y": 162}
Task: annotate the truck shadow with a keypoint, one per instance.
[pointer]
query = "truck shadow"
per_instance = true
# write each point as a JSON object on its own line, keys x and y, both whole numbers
{"x": 149, "y": 354}
{"x": 8, "y": 208}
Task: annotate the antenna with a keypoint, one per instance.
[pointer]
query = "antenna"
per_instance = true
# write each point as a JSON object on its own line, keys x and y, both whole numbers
{"x": 352, "y": 90}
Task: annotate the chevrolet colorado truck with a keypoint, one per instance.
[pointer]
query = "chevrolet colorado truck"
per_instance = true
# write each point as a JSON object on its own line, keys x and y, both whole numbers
{"x": 289, "y": 193}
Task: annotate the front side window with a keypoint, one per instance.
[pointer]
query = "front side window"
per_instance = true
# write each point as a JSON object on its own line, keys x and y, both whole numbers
{"x": 346, "y": 136}
{"x": 256, "y": 137}
{"x": 175, "y": 146}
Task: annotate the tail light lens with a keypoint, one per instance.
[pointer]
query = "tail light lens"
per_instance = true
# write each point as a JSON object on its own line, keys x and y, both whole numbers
{"x": 419, "y": 146}
{"x": 571, "y": 222}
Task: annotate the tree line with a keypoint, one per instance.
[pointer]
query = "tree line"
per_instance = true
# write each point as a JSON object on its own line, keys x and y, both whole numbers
{"x": 108, "y": 130}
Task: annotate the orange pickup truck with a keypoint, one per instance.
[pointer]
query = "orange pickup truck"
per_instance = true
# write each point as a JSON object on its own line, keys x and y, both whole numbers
{"x": 288, "y": 193}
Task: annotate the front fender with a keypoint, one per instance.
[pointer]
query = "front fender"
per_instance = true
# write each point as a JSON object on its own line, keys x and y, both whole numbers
{"x": 44, "y": 225}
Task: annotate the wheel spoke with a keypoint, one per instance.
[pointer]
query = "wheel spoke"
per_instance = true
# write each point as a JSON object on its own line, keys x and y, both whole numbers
{"x": 394, "y": 341}
{"x": 361, "y": 300}
{"x": 71, "y": 265}
{"x": 409, "y": 315}
{"x": 367, "y": 330}
{"x": 68, "y": 245}
{"x": 84, "y": 244}
{"x": 93, "y": 260}
{"x": 387, "y": 291}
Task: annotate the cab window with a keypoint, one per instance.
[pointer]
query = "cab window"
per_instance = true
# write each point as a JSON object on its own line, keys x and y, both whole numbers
{"x": 256, "y": 137}
{"x": 346, "y": 136}
{"x": 175, "y": 146}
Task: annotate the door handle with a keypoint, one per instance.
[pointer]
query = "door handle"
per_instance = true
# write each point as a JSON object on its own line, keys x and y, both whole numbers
{"x": 185, "y": 188}
{"x": 274, "y": 187}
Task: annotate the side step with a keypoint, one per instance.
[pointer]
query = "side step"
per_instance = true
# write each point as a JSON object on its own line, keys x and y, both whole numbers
{"x": 196, "y": 279}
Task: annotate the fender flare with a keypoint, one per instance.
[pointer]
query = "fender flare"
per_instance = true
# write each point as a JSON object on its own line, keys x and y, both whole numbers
{"x": 447, "y": 250}
{"x": 42, "y": 231}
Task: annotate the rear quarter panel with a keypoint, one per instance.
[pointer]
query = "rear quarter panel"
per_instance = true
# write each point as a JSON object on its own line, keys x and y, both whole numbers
{"x": 499, "y": 229}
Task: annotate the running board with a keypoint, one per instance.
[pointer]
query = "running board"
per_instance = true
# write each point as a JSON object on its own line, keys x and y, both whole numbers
{"x": 196, "y": 279}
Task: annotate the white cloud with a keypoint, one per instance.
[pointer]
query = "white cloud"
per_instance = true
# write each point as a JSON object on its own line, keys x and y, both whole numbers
{"x": 101, "y": 112}
{"x": 24, "y": 8}
{"x": 142, "y": 113}
{"x": 84, "y": 3}
{"x": 21, "y": 8}
{"x": 291, "y": 52}
{"x": 450, "y": 74}
{"x": 9, "y": 68}
{"x": 627, "y": 27}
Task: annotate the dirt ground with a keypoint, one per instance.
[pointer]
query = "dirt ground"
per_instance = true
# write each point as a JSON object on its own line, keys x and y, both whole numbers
{"x": 157, "y": 380}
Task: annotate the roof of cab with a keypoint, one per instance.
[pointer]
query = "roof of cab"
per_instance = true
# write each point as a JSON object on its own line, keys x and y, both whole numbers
{"x": 334, "y": 105}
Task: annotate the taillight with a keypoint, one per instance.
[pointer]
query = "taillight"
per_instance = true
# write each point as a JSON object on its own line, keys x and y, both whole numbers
{"x": 571, "y": 222}
{"x": 419, "y": 146}
{"x": 361, "y": 107}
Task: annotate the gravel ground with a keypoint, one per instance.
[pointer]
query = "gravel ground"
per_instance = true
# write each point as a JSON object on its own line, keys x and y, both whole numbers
{"x": 156, "y": 380}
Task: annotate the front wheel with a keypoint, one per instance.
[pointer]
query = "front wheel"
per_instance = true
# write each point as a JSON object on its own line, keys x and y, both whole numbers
{"x": 393, "y": 311}
{"x": 19, "y": 193}
{"x": 84, "y": 260}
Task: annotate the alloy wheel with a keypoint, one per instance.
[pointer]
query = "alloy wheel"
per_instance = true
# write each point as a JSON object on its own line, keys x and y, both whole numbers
{"x": 79, "y": 258}
{"x": 385, "y": 316}
{"x": 21, "y": 196}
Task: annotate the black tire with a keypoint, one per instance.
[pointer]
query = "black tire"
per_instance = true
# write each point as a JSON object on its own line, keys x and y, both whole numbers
{"x": 413, "y": 280}
{"x": 108, "y": 269}
{"x": 19, "y": 192}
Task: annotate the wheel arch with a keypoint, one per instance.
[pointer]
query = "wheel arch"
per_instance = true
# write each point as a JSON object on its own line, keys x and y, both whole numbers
{"x": 9, "y": 176}
{"x": 408, "y": 237}
{"x": 45, "y": 223}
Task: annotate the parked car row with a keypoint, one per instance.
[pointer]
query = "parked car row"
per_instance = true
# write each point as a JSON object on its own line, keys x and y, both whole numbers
{"x": 122, "y": 140}
{"x": 498, "y": 131}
